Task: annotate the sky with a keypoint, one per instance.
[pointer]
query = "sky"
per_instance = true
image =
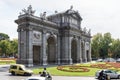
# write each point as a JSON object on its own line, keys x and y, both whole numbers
{"x": 101, "y": 16}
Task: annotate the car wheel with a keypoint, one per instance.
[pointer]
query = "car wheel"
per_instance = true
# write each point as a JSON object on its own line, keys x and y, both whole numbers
{"x": 119, "y": 77}
{"x": 13, "y": 73}
{"x": 30, "y": 74}
{"x": 26, "y": 74}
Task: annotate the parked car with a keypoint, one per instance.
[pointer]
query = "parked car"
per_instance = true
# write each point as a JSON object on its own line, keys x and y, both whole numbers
{"x": 109, "y": 60}
{"x": 99, "y": 60}
{"x": 110, "y": 73}
{"x": 19, "y": 69}
{"x": 36, "y": 78}
{"x": 118, "y": 60}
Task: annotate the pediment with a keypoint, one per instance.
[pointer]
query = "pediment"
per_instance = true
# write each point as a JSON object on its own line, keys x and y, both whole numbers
{"x": 76, "y": 16}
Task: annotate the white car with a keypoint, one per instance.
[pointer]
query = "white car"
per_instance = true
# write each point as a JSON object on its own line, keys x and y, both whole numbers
{"x": 36, "y": 78}
{"x": 110, "y": 73}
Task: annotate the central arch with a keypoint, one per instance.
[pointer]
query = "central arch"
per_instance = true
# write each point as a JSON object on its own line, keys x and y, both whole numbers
{"x": 51, "y": 50}
{"x": 74, "y": 51}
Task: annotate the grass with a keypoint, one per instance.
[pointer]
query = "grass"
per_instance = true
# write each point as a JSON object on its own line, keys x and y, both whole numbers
{"x": 54, "y": 71}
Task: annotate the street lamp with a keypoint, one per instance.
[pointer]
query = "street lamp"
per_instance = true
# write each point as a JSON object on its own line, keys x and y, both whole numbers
{"x": 109, "y": 51}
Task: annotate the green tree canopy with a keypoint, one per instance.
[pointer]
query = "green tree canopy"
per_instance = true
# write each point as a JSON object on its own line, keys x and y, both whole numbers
{"x": 5, "y": 47}
{"x": 4, "y": 36}
{"x": 100, "y": 45}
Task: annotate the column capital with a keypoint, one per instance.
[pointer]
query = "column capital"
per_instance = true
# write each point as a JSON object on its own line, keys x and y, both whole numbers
{"x": 18, "y": 30}
{"x": 44, "y": 31}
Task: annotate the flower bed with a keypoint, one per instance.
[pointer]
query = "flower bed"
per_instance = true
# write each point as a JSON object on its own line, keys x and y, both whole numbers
{"x": 115, "y": 65}
{"x": 83, "y": 68}
{"x": 7, "y": 60}
{"x": 100, "y": 66}
{"x": 73, "y": 68}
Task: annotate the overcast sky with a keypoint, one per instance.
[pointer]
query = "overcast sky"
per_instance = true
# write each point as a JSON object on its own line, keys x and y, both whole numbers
{"x": 100, "y": 16}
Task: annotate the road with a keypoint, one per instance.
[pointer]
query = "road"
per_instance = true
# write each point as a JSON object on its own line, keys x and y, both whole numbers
{"x": 7, "y": 76}
{"x": 4, "y": 75}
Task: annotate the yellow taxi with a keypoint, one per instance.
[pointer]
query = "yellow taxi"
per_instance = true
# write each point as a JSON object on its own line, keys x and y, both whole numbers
{"x": 19, "y": 69}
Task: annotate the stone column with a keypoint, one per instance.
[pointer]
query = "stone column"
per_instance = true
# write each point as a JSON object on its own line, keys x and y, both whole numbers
{"x": 89, "y": 52}
{"x": 85, "y": 59}
{"x": 29, "y": 47}
{"x": 79, "y": 59}
{"x": 66, "y": 50}
{"x": 69, "y": 50}
{"x": 19, "y": 51}
{"x": 58, "y": 49}
{"x": 44, "y": 48}
{"x": 80, "y": 50}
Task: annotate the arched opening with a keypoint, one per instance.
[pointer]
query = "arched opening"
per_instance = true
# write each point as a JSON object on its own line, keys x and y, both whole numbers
{"x": 87, "y": 54}
{"x": 74, "y": 51}
{"x": 51, "y": 50}
{"x": 36, "y": 55}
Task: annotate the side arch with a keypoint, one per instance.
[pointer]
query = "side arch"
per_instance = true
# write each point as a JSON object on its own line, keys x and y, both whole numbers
{"x": 74, "y": 50}
{"x": 51, "y": 49}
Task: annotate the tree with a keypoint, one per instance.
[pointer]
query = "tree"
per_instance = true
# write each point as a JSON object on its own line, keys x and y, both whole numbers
{"x": 14, "y": 47}
{"x": 95, "y": 44}
{"x": 5, "y": 47}
{"x": 4, "y": 36}
{"x": 115, "y": 48}
{"x": 107, "y": 40}
{"x": 100, "y": 45}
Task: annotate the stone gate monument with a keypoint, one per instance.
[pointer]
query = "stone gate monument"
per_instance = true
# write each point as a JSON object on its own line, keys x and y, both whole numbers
{"x": 55, "y": 39}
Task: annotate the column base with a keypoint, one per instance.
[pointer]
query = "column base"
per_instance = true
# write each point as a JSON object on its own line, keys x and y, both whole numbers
{"x": 84, "y": 60}
{"x": 58, "y": 61}
{"x": 66, "y": 61}
{"x": 79, "y": 60}
{"x": 89, "y": 60}
{"x": 44, "y": 61}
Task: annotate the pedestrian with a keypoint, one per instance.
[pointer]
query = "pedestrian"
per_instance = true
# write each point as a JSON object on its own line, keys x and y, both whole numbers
{"x": 101, "y": 75}
{"x": 44, "y": 73}
{"x": 49, "y": 76}
{"x": 107, "y": 77}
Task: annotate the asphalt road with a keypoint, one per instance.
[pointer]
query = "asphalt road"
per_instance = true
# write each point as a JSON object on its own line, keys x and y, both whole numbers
{"x": 5, "y": 75}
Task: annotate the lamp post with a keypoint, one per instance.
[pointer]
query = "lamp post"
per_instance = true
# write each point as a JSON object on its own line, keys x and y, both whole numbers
{"x": 109, "y": 51}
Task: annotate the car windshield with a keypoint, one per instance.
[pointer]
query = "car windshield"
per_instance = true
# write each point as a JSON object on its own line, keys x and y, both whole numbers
{"x": 23, "y": 67}
{"x": 109, "y": 71}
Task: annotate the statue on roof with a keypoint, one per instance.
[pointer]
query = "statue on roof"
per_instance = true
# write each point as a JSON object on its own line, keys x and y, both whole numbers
{"x": 70, "y": 10}
{"x": 28, "y": 11}
{"x": 43, "y": 15}
{"x": 71, "y": 7}
{"x": 89, "y": 32}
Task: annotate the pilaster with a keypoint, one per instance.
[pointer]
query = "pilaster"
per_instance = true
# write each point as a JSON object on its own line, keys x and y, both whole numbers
{"x": 19, "y": 51}
{"x": 58, "y": 50}
{"x": 79, "y": 58}
{"x": 66, "y": 50}
{"x": 89, "y": 53}
{"x": 44, "y": 48}
{"x": 30, "y": 48}
{"x": 80, "y": 50}
{"x": 85, "y": 56}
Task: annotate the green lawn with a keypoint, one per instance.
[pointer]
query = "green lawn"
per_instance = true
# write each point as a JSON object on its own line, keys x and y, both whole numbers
{"x": 54, "y": 71}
